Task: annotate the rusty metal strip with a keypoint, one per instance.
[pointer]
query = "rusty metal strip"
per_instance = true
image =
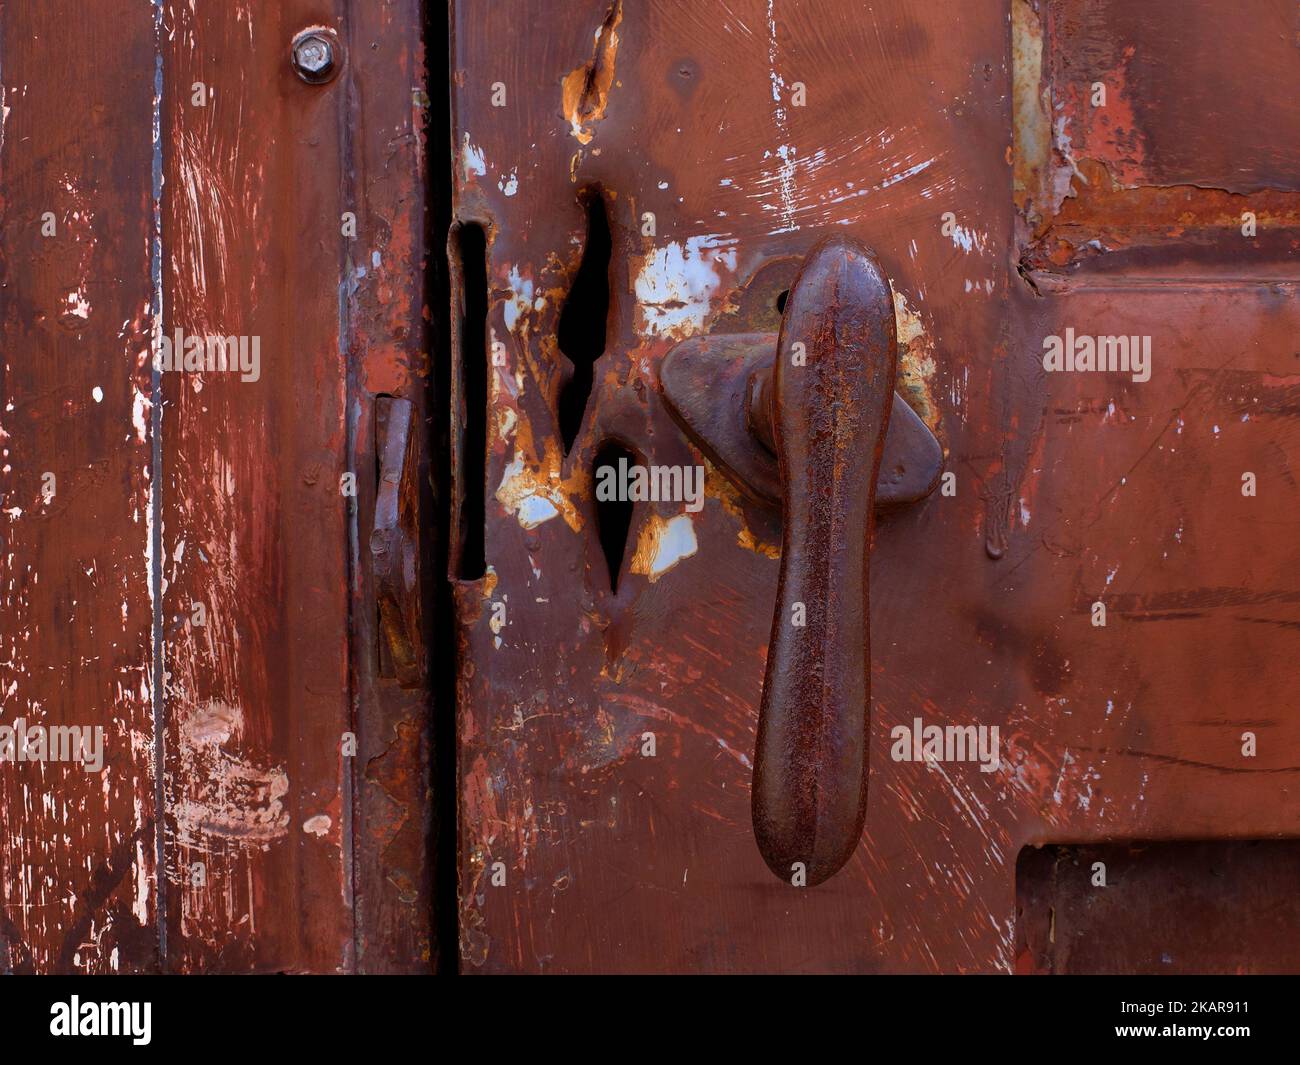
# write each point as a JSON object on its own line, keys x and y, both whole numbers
{"x": 388, "y": 342}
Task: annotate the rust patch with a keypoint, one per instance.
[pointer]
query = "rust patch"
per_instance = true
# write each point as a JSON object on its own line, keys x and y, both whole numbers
{"x": 586, "y": 89}
{"x": 718, "y": 486}
{"x": 916, "y": 365}
{"x": 1105, "y": 216}
{"x": 1106, "y": 159}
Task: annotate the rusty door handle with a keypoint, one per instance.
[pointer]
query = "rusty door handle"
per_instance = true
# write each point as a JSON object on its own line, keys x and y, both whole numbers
{"x": 829, "y": 408}
{"x": 823, "y": 411}
{"x": 394, "y": 543}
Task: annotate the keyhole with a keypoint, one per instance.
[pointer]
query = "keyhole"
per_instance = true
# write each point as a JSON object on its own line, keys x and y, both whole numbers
{"x": 582, "y": 326}
{"x": 613, "y": 516}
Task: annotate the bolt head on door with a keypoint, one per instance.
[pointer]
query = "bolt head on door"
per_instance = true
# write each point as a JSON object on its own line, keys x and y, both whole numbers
{"x": 314, "y": 53}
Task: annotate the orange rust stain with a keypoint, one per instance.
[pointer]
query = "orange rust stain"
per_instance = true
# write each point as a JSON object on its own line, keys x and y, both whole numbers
{"x": 1106, "y": 215}
{"x": 916, "y": 364}
{"x": 1109, "y": 133}
{"x": 1081, "y": 172}
{"x": 717, "y": 486}
{"x": 539, "y": 477}
{"x": 1032, "y": 123}
{"x": 585, "y": 92}
{"x": 387, "y": 372}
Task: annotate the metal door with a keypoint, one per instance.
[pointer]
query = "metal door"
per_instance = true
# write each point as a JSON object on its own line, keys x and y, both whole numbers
{"x": 1104, "y": 574}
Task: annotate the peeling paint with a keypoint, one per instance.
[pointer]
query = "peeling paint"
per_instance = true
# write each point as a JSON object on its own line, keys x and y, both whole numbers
{"x": 676, "y": 284}
{"x": 226, "y": 797}
{"x": 473, "y": 163}
{"x": 318, "y": 825}
{"x": 916, "y": 364}
{"x": 662, "y": 544}
{"x": 535, "y": 494}
{"x": 585, "y": 93}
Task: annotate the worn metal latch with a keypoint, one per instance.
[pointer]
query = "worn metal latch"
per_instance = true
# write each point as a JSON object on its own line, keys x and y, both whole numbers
{"x": 809, "y": 418}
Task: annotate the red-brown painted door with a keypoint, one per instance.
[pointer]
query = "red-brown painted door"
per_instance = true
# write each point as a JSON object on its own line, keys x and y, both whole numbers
{"x": 181, "y": 562}
{"x": 1080, "y": 728}
{"x": 1105, "y": 575}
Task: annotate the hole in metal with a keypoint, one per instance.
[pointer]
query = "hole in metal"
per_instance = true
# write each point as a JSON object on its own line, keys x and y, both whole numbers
{"x": 581, "y": 332}
{"x": 613, "y": 517}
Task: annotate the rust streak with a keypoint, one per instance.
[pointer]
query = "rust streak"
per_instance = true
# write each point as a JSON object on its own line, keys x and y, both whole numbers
{"x": 586, "y": 88}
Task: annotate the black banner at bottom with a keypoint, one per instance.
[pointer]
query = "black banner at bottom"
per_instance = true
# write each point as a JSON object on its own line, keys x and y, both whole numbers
{"x": 145, "y": 1014}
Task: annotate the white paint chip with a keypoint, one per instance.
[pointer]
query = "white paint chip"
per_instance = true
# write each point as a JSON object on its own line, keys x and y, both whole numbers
{"x": 677, "y": 283}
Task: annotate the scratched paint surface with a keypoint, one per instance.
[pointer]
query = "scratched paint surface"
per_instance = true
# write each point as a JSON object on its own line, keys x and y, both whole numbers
{"x": 239, "y": 727}
{"x": 257, "y": 696}
{"x": 1070, "y": 488}
{"x": 77, "y": 849}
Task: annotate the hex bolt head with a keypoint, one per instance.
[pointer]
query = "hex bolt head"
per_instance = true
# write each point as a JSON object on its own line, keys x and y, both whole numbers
{"x": 313, "y": 56}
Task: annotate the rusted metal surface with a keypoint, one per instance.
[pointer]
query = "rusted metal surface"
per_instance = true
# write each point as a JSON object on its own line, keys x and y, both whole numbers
{"x": 1144, "y": 135}
{"x": 718, "y": 389}
{"x": 254, "y": 523}
{"x": 186, "y": 176}
{"x": 1167, "y": 908}
{"x": 389, "y": 337}
{"x": 832, "y": 389}
{"x": 395, "y": 544}
{"x": 554, "y": 702}
{"x": 189, "y": 587}
{"x": 580, "y": 852}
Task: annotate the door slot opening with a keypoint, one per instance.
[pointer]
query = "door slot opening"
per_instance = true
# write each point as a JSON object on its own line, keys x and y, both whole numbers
{"x": 469, "y": 245}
